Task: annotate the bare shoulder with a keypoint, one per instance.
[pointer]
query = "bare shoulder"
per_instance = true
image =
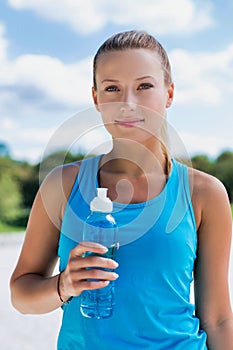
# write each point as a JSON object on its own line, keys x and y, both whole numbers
{"x": 56, "y": 188}
{"x": 204, "y": 184}
{"x": 62, "y": 178}
{"x": 209, "y": 196}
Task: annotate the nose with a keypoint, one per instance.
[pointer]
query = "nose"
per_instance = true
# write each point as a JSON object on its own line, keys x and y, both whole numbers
{"x": 127, "y": 107}
{"x": 128, "y": 103}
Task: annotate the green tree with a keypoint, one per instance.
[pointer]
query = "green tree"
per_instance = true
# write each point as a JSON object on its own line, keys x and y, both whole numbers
{"x": 203, "y": 163}
{"x": 11, "y": 198}
{"x": 12, "y": 209}
{"x": 223, "y": 170}
{"x": 19, "y": 183}
{"x": 29, "y": 184}
{"x": 55, "y": 159}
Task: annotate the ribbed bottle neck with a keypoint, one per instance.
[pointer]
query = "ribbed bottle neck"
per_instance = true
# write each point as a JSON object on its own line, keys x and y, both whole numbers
{"x": 100, "y": 213}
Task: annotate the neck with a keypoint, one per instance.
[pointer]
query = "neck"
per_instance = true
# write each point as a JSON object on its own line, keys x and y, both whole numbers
{"x": 135, "y": 159}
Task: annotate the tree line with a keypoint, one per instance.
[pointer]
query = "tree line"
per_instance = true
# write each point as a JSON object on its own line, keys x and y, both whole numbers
{"x": 19, "y": 181}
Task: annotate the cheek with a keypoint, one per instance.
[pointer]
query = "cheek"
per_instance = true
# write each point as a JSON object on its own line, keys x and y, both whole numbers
{"x": 154, "y": 111}
{"x": 109, "y": 111}
{"x": 157, "y": 103}
{"x": 154, "y": 122}
{"x": 104, "y": 97}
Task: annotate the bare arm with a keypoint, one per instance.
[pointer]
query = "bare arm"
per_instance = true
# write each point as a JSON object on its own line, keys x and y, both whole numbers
{"x": 212, "y": 298}
{"x": 33, "y": 288}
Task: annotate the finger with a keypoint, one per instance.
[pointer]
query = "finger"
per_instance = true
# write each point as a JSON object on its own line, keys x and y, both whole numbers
{"x": 94, "y": 274}
{"x": 78, "y": 263}
{"x": 90, "y": 285}
{"x": 97, "y": 261}
{"x": 84, "y": 247}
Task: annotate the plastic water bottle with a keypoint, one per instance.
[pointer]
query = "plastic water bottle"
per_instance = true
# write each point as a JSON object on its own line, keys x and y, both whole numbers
{"x": 100, "y": 227}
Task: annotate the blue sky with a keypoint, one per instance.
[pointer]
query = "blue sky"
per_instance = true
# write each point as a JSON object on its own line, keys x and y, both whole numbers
{"x": 46, "y": 50}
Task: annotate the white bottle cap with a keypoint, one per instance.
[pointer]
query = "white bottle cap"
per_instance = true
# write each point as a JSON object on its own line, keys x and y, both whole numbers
{"x": 101, "y": 203}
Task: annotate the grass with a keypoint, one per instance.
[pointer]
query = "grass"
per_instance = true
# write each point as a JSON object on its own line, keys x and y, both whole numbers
{"x": 8, "y": 229}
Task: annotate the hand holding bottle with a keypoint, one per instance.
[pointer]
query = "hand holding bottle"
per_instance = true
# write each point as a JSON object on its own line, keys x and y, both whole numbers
{"x": 89, "y": 272}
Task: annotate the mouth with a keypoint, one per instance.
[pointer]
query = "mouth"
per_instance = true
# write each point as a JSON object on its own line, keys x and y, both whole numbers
{"x": 129, "y": 123}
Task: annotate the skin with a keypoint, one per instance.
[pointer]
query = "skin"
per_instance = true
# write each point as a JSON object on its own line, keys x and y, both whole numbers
{"x": 132, "y": 97}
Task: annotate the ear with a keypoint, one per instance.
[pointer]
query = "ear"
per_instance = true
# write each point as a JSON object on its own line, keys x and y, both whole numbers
{"x": 94, "y": 97}
{"x": 170, "y": 93}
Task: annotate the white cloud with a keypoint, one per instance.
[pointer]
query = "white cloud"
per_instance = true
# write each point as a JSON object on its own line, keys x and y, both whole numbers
{"x": 74, "y": 134}
{"x": 87, "y": 16}
{"x": 203, "y": 77}
{"x": 43, "y": 81}
{"x": 8, "y": 124}
{"x": 35, "y": 79}
{"x": 29, "y": 86}
{"x": 38, "y": 76}
{"x": 25, "y": 142}
{"x": 205, "y": 144}
{"x": 3, "y": 43}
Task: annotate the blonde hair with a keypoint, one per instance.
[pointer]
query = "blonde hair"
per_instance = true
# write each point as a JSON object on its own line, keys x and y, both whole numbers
{"x": 137, "y": 39}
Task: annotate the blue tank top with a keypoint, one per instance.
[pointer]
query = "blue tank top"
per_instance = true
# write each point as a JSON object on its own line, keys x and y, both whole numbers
{"x": 156, "y": 257}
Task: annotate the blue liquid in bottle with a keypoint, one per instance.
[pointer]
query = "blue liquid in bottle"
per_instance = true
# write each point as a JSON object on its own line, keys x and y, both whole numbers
{"x": 100, "y": 227}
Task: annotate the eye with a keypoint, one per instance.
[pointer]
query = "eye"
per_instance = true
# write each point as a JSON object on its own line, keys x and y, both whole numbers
{"x": 145, "y": 86}
{"x": 111, "y": 88}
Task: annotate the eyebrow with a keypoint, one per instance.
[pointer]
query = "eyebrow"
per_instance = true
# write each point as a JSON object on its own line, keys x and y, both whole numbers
{"x": 117, "y": 81}
{"x": 145, "y": 77}
{"x": 110, "y": 81}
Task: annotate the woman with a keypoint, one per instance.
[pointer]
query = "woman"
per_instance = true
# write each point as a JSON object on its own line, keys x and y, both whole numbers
{"x": 174, "y": 222}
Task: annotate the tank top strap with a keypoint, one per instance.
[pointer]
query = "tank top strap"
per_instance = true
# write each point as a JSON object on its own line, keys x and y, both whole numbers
{"x": 86, "y": 181}
{"x": 182, "y": 203}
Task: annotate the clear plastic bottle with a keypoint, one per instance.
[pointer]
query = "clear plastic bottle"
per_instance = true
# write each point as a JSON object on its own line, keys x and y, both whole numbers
{"x": 100, "y": 227}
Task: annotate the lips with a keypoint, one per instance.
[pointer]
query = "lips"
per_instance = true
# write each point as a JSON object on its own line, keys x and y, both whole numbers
{"x": 129, "y": 122}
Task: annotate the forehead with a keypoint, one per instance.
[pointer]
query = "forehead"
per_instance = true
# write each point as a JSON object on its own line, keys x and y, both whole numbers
{"x": 137, "y": 61}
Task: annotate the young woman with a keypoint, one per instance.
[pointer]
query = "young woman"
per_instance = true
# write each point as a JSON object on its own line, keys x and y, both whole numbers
{"x": 174, "y": 223}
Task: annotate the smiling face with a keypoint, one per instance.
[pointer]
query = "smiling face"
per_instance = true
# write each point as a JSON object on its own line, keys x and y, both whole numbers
{"x": 131, "y": 93}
